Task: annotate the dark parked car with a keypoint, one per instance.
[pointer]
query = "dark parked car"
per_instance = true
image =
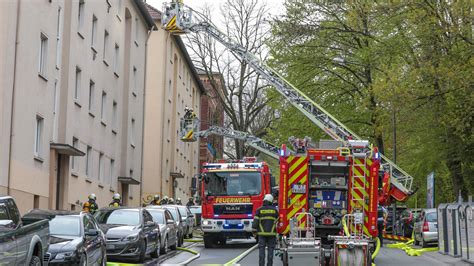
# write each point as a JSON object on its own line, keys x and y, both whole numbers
{"x": 75, "y": 238}
{"x": 22, "y": 241}
{"x": 168, "y": 228}
{"x": 130, "y": 233}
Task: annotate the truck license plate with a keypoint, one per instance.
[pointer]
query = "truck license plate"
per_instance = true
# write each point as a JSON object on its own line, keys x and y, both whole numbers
{"x": 233, "y": 222}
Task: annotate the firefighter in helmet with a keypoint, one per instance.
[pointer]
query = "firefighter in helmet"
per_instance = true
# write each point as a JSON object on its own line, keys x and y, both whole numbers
{"x": 264, "y": 226}
{"x": 190, "y": 202}
{"x": 90, "y": 205}
{"x": 171, "y": 201}
{"x": 156, "y": 200}
{"x": 164, "y": 201}
{"x": 178, "y": 201}
{"x": 116, "y": 200}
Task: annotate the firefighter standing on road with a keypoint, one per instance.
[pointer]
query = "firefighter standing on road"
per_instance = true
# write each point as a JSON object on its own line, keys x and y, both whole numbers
{"x": 156, "y": 200}
{"x": 264, "y": 225}
{"x": 116, "y": 200}
{"x": 164, "y": 201}
{"x": 381, "y": 218}
{"x": 190, "y": 202}
{"x": 91, "y": 206}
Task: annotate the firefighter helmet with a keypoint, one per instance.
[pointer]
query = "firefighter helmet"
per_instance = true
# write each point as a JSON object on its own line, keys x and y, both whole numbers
{"x": 268, "y": 198}
{"x": 92, "y": 196}
{"x": 117, "y": 196}
{"x": 156, "y": 197}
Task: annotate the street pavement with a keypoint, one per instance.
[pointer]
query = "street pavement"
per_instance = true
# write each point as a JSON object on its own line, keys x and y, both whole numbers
{"x": 221, "y": 255}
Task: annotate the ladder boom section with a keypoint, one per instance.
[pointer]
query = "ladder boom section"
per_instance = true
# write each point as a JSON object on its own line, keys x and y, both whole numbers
{"x": 255, "y": 142}
{"x": 178, "y": 18}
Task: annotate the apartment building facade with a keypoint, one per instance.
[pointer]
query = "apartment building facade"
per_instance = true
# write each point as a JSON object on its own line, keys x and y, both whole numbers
{"x": 172, "y": 84}
{"x": 72, "y": 80}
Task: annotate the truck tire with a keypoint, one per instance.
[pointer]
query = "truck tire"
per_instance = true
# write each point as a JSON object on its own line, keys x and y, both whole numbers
{"x": 208, "y": 241}
{"x": 35, "y": 261}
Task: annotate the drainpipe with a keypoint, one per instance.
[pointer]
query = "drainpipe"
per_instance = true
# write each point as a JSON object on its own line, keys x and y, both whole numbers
{"x": 13, "y": 96}
{"x": 144, "y": 110}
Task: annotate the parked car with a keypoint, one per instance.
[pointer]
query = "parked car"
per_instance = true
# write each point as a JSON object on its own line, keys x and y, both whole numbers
{"x": 189, "y": 220}
{"x": 130, "y": 233}
{"x": 168, "y": 228}
{"x": 179, "y": 222}
{"x": 75, "y": 238}
{"x": 197, "y": 211}
{"x": 22, "y": 241}
{"x": 426, "y": 228}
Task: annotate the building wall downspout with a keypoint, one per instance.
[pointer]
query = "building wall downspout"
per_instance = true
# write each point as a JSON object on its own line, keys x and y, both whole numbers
{"x": 13, "y": 96}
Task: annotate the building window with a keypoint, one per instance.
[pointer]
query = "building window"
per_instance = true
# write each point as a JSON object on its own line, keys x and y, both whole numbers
{"x": 137, "y": 30}
{"x": 77, "y": 85}
{"x": 38, "y": 135}
{"x": 132, "y": 133}
{"x": 116, "y": 59}
{"x": 75, "y": 144}
{"x": 91, "y": 96}
{"x": 80, "y": 17}
{"x": 58, "y": 38}
{"x": 102, "y": 106}
{"x": 43, "y": 57}
{"x": 112, "y": 171}
{"x": 89, "y": 161}
{"x": 114, "y": 115}
{"x": 106, "y": 45}
{"x": 94, "y": 31}
{"x": 101, "y": 167}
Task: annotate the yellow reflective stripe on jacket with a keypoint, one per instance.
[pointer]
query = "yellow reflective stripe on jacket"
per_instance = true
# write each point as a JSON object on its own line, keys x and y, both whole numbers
{"x": 266, "y": 234}
{"x": 267, "y": 211}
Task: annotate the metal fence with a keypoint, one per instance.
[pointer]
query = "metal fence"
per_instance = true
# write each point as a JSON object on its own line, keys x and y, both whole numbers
{"x": 456, "y": 230}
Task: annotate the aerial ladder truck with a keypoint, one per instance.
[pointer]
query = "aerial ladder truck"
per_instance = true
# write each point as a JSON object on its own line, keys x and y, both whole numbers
{"x": 357, "y": 176}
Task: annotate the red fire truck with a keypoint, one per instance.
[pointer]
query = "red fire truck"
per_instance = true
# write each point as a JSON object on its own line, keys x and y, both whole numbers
{"x": 323, "y": 191}
{"x": 231, "y": 192}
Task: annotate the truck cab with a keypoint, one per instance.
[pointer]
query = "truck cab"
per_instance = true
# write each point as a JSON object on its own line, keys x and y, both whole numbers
{"x": 231, "y": 192}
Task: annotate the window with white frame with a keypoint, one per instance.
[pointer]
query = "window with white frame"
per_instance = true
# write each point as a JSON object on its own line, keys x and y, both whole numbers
{"x": 77, "y": 85}
{"x": 80, "y": 16}
{"x": 43, "y": 56}
{"x": 116, "y": 58}
{"x": 75, "y": 144}
{"x": 58, "y": 37}
{"x": 103, "y": 103}
{"x": 89, "y": 161}
{"x": 91, "y": 96}
{"x": 38, "y": 136}
{"x": 101, "y": 167}
{"x": 106, "y": 45}
{"x": 94, "y": 31}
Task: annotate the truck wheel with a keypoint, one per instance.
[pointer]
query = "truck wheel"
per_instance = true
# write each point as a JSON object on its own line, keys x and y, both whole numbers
{"x": 35, "y": 261}
{"x": 208, "y": 241}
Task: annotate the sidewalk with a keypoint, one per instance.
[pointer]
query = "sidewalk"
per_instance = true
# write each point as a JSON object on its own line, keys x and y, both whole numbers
{"x": 441, "y": 259}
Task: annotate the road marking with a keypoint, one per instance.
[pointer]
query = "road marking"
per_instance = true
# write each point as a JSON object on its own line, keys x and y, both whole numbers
{"x": 241, "y": 256}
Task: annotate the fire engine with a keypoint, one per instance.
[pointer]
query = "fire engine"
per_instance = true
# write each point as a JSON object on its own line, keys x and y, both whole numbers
{"x": 231, "y": 192}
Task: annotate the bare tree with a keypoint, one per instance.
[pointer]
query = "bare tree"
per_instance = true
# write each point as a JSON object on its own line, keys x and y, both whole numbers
{"x": 243, "y": 98}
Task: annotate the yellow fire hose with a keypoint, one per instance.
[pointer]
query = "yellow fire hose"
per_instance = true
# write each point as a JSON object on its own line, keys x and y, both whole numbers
{"x": 194, "y": 240}
{"x": 377, "y": 243}
{"x": 408, "y": 247}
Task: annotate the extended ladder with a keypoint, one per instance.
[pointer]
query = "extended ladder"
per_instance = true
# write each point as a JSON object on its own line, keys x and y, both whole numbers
{"x": 178, "y": 18}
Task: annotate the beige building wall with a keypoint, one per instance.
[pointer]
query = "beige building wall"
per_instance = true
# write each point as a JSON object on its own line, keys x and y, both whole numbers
{"x": 171, "y": 85}
{"x": 102, "y": 110}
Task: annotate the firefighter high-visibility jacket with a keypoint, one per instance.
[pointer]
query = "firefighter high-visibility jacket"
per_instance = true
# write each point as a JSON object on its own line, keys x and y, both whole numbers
{"x": 115, "y": 204}
{"x": 90, "y": 206}
{"x": 265, "y": 220}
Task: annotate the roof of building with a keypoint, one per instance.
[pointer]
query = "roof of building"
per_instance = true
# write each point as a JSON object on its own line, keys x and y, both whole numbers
{"x": 141, "y": 6}
{"x": 155, "y": 14}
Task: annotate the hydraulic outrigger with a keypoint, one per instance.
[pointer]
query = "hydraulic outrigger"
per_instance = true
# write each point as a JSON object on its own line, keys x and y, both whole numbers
{"x": 177, "y": 18}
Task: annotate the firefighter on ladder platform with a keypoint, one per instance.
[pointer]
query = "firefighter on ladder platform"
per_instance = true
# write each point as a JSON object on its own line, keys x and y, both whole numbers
{"x": 264, "y": 226}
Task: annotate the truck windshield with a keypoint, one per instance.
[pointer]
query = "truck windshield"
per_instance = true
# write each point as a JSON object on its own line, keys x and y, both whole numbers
{"x": 232, "y": 183}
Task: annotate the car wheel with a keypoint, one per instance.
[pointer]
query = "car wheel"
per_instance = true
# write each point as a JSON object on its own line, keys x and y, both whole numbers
{"x": 180, "y": 240}
{"x": 190, "y": 234}
{"x": 173, "y": 247}
{"x": 415, "y": 241}
{"x": 164, "y": 249}
{"x": 35, "y": 261}
{"x": 141, "y": 256}
{"x": 156, "y": 252}
{"x": 83, "y": 260}
{"x": 423, "y": 243}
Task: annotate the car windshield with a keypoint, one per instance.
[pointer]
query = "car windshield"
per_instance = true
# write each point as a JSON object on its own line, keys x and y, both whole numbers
{"x": 158, "y": 216}
{"x": 431, "y": 217}
{"x": 65, "y": 226}
{"x": 195, "y": 210}
{"x": 119, "y": 217}
{"x": 232, "y": 183}
{"x": 183, "y": 211}
{"x": 174, "y": 212}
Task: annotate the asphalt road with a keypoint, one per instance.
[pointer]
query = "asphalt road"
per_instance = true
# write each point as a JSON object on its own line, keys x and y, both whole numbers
{"x": 221, "y": 255}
